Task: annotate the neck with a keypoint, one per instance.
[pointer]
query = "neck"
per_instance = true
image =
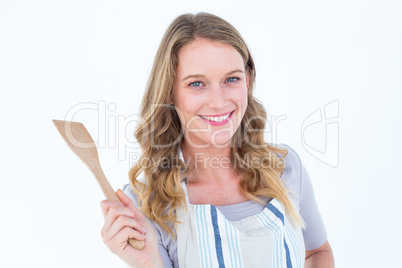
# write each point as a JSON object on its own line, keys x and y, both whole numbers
{"x": 210, "y": 164}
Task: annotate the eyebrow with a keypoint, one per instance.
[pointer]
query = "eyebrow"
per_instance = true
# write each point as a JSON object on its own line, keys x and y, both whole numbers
{"x": 201, "y": 75}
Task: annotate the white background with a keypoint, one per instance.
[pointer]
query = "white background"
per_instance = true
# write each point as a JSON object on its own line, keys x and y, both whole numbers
{"x": 55, "y": 55}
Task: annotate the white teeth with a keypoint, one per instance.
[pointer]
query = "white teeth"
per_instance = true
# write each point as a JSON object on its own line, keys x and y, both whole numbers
{"x": 216, "y": 118}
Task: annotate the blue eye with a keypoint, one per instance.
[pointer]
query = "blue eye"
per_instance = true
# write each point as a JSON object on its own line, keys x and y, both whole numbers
{"x": 195, "y": 84}
{"x": 233, "y": 79}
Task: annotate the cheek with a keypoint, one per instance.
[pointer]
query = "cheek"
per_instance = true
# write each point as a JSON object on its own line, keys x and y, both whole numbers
{"x": 187, "y": 107}
{"x": 190, "y": 104}
{"x": 241, "y": 97}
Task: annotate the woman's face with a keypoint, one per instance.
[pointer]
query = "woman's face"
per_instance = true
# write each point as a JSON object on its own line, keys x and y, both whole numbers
{"x": 210, "y": 92}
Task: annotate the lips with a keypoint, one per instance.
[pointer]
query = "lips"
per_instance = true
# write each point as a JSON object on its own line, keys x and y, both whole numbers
{"x": 217, "y": 118}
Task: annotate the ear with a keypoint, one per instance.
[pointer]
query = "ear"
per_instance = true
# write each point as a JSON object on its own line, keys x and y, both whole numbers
{"x": 247, "y": 80}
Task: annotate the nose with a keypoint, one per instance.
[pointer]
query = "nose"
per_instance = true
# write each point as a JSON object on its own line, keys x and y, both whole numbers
{"x": 217, "y": 98}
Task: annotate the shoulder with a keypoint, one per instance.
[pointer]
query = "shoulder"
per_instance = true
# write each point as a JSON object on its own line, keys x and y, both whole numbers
{"x": 292, "y": 159}
{"x": 292, "y": 175}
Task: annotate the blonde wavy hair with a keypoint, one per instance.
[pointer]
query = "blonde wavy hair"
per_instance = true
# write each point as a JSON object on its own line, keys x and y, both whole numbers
{"x": 160, "y": 135}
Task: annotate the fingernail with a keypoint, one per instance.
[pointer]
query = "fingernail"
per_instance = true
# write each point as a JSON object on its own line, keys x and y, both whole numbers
{"x": 145, "y": 231}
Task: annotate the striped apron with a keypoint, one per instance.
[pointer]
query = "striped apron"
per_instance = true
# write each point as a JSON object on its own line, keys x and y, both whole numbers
{"x": 268, "y": 239}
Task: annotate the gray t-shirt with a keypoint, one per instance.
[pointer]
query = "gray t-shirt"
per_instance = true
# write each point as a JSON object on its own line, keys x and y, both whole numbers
{"x": 296, "y": 180}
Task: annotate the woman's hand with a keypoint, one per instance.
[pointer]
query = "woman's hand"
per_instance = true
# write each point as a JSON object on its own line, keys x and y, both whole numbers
{"x": 123, "y": 221}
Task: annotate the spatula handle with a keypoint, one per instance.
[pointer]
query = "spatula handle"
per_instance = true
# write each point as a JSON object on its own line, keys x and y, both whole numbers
{"x": 81, "y": 143}
{"x": 137, "y": 244}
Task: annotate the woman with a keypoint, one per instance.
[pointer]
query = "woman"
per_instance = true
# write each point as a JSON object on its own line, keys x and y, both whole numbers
{"x": 213, "y": 192}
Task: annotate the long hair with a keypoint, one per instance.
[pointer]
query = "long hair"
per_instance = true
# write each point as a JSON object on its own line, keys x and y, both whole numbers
{"x": 160, "y": 135}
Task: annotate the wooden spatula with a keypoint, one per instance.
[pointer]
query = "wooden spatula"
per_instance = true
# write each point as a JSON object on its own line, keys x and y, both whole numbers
{"x": 81, "y": 143}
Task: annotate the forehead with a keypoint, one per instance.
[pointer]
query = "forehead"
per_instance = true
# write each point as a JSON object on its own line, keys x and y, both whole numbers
{"x": 205, "y": 56}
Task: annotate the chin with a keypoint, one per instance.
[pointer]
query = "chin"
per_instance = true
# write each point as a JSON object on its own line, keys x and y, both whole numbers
{"x": 221, "y": 139}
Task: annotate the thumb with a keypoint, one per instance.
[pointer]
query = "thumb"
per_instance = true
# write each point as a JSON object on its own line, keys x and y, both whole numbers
{"x": 125, "y": 199}
{"x": 127, "y": 202}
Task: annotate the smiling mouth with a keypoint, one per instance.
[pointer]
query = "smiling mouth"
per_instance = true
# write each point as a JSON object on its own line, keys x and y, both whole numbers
{"x": 217, "y": 118}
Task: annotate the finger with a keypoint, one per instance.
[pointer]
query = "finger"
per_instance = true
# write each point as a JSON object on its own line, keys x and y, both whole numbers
{"x": 129, "y": 203}
{"x": 119, "y": 242}
{"x": 121, "y": 223}
{"x": 113, "y": 214}
{"x": 107, "y": 204}
{"x": 125, "y": 199}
